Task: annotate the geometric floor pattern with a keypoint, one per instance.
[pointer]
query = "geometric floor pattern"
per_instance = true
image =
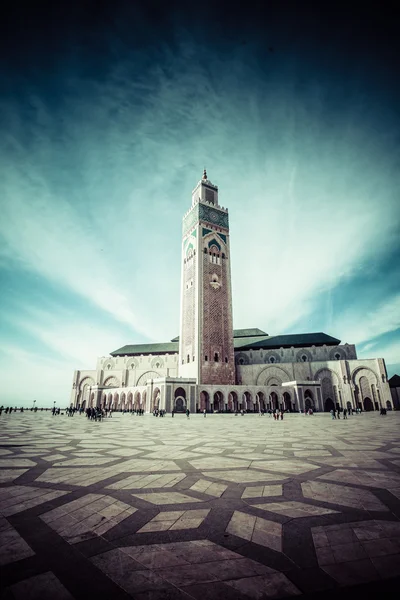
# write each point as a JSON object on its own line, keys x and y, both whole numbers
{"x": 218, "y": 507}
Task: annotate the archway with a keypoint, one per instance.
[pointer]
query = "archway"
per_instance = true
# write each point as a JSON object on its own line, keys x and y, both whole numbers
{"x": 123, "y": 400}
{"x": 130, "y": 401}
{"x": 204, "y": 401}
{"x": 180, "y": 399}
{"x": 273, "y": 397}
{"x": 218, "y": 404}
{"x": 138, "y": 400}
{"x": 261, "y": 399}
{"x": 116, "y": 399}
{"x": 144, "y": 398}
{"x": 156, "y": 399}
{"x": 329, "y": 405}
{"x": 287, "y": 401}
{"x": 109, "y": 400}
{"x": 248, "y": 401}
{"x": 368, "y": 406}
{"x": 233, "y": 402}
{"x": 349, "y": 405}
{"x": 388, "y": 405}
{"x": 309, "y": 400}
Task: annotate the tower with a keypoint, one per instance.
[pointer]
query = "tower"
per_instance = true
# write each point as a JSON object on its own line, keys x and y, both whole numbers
{"x": 206, "y": 350}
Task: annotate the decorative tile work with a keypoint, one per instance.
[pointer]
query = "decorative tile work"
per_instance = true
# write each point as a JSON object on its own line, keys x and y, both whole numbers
{"x": 294, "y": 509}
{"x": 173, "y": 520}
{"x": 257, "y": 530}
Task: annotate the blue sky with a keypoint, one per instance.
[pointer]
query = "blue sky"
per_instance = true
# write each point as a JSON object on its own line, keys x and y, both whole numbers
{"x": 107, "y": 120}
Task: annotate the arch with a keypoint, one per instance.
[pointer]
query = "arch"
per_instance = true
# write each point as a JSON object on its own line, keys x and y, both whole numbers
{"x": 123, "y": 400}
{"x": 133, "y": 363}
{"x": 242, "y": 359}
{"x": 130, "y": 401}
{"x": 366, "y": 372}
{"x": 108, "y": 364}
{"x": 248, "y": 401}
{"x": 111, "y": 382}
{"x": 218, "y": 402}
{"x": 156, "y": 399}
{"x": 325, "y": 372}
{"x": 138, "y": 401}
{"x": 329, "y": 405}
{"x": 262, "y": 400}
{"x": 144, "y": 378}
{"x": 389, "y": 405}
{"x": 180, "y": 399}
{"x": 272, "y": 357}
{"x": 303, "y": 353}
{"x": 274, "y": 400}
{"x": 109, "y": 400}
{"x": 157, "y": 363}
{"x": 204, "y": 400}
{"x": 233, "y": 401}
{"x": 309, "y": 400}
{"x": 115, "y": 401}
{"x": 287, "y": 401}
{"x": 104, "y": 400}
{"x": 368, "y": 406}
{"x": 335, "y": 352}
{"x": 273, "y": 372}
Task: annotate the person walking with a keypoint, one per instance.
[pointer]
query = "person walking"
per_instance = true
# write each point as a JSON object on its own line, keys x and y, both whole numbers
{"x": 204, "y": 412}
{"x": 345, "y": 413}
{"x": 187, "y": 413}
{"x": 333, "y": 414}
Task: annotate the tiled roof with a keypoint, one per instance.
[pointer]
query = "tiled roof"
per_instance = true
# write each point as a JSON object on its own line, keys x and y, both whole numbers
{"x": 259, "y": 340}
{"x": 130, "y": 350}
{"x": 254, "y": 332}
{"x": 299, "y": 340}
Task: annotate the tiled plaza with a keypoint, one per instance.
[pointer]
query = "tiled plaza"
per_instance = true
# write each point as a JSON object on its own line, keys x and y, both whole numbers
{"x": 222, "y": 506}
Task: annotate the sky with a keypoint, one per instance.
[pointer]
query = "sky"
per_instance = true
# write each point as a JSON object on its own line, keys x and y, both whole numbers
{"x": 108, "y": 114}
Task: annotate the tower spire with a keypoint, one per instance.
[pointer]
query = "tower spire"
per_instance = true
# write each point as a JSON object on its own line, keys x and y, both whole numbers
{"x": 204, "y": 174}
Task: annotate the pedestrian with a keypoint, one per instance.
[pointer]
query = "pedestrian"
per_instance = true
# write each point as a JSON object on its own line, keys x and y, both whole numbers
{"x": 345, "y": 413}
{"x": 187, "y": 413}
{"x": 204, "y": 412}
{"x": 333, "y": 414}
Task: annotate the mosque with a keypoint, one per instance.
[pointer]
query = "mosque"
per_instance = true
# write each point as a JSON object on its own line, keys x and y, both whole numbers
{"x": 213, "y": 366}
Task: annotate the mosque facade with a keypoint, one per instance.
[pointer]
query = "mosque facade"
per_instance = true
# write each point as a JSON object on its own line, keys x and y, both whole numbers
{"x": 212, "y": 366}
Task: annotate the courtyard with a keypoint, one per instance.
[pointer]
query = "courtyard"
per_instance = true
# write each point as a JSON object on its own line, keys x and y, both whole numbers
{"x": 221, "y": 506}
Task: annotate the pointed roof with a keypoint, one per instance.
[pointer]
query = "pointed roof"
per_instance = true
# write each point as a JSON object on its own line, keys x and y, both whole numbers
{"x": 204, "y": 174}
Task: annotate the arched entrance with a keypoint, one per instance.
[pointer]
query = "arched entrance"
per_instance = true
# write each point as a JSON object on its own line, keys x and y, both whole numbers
{"x": 156, "y": 399}
{"x": 273, "y": 398}
{"x": 329, "y": 405}
{"x": 248, "y": 401}
{"x": 368, "y": 406}
{"x": 123, "y": 400}
{"x": 233, "y": 402}
{"x": 286, "y": 401}
{"x": 261, "y": 400}
{"x": 389, "y": 405}
{"x": 309, "y": 400}
{"x": 180, "y": 400}
{"x": 204, "y": 401}
{"x": 218, "y": 404}
{"x": 116, "y": 399}
{"x": 130, "y": 401}
{"x": 138, "y": 400}
{"x": 109, "y": 400}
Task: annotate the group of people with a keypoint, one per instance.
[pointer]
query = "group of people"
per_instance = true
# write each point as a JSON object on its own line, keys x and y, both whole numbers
{"x": 335, "y": 414}
{"x": 157, "y": 412}
{"x": 95, "y": 413}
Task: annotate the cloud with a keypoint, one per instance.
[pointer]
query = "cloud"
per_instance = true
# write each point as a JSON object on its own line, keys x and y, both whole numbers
{"x": 372, "y": 323}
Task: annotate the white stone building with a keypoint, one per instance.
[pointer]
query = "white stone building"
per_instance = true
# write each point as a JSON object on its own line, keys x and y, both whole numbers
{"x": 212, "y": 366}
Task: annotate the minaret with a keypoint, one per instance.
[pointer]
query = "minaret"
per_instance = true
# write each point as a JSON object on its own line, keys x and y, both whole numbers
{"x": 206, "y": 332}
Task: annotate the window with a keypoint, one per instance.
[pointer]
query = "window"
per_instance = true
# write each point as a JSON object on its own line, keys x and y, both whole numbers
{"x": 226, "y": 359}
{"x": 193, "y": 358}
{"x": 241, "y": 361}
{"x": 157, "y": 364}
{"x": 188, "y": 358}
{"x": 304, "y": 358}
{"x": 206, "y": 358}
{"x": 337, "y": 356}
{"x": 205, "y": 250}
{"x": 108, "y": 366}
{"x": 271, "y": 359}
{"x": 216, "y": 358}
